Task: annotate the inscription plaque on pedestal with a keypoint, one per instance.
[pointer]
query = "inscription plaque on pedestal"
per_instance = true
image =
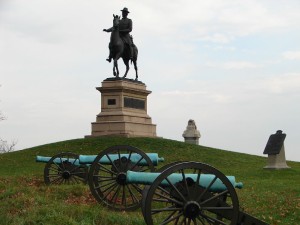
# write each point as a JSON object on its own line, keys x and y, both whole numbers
{"x": 275, "y": 143}
{"x": 134, "y": 103}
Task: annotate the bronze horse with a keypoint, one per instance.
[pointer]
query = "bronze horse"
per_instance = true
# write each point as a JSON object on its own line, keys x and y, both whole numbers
{"x": 120, "y": 50}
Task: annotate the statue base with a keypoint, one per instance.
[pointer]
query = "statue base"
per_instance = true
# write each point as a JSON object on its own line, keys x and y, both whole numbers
{"x": 123, "y": 110}
{"x": 277, "y": 161}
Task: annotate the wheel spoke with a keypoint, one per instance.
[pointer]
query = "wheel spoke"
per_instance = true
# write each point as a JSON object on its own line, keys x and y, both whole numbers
{"x": 174, "y": 218}
{"x": 119, "y": 154}
{"x": 214, "y": 197}
{"x": 168, "y": 217}
{"x": 198, "y": 176}
{"x": 185, "y": 184}
{"x": 76, "y": 173}
{"x": 115, "y": 196}
{"x": 178, "y": 192}
{"x": 136, "y": 163}
{"x": 194, "y": 221}
{"x": 134, "y": 199}
{"x": 75, "y": 179}
{"x": 123, "y": 196}
{"x": 189, "y": 221}
{"x": 54, "y": 169}
{"x": 57, "y": 165}
{"x": 79, "y": 168}
{"x": 104, "y": 169}
{"x": 171, "y": 208}
{"x": 55, "y": 180}
{"x": 137, "y": 191}
{"x": 201, "y": 220}
{"x": 210, "y": 219}
{"x": 62, "y": 163}
{"x": 217, "y": 208}
{"x": 183, "y": 221}
{"x": 107, "y": 179}
{"x": 81, "y": 179}
{"x": 74, "y": 161}
{"x": 144, "y": 170}
{"x": 111, "y": 188}
{"x": 107, "y": 155}
{"x": 128, "y": 160}
{"x": 206, "y": 189}
{"x": 104, "y": 185}
{"x": 100, "y": 176}
{"x": 171, "y": 200}
{"x": 53, "y": 175}
{"x": 62, "y": 181}
{"x": 137, "y": 188}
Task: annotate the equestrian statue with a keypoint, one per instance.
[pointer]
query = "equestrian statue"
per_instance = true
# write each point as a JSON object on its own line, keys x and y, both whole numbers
{"x": 121, "y": 43}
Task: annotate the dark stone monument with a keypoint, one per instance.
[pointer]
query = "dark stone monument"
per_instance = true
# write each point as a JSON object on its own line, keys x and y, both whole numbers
{"x": 275, "y": 151}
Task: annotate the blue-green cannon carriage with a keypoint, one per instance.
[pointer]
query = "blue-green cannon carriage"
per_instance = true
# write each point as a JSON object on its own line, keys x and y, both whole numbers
{"x": 70, "y": 168}
{"x": 182, "y": 193}
{"x": 63, "y": 168}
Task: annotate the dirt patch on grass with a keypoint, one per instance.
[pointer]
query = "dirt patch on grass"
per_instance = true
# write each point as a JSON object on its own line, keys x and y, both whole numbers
{"x": 86, "y": 199}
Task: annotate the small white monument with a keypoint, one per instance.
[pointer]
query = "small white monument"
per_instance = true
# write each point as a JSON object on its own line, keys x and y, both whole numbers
{"x": 191, "y": 134}
{"x": 276, "y": 152}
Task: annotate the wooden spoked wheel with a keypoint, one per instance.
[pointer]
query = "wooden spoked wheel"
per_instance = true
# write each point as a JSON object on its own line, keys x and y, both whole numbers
{"x": 64, "y": 168}
{"x": 191, "y": 200}
{"x": 107, "y": 177}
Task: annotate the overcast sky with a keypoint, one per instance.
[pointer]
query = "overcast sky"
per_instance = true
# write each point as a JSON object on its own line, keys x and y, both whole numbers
{"x": 232, "y": 66}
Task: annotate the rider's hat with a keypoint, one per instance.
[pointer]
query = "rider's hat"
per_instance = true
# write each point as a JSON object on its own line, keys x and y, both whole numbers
{"x": 125, "y": 10}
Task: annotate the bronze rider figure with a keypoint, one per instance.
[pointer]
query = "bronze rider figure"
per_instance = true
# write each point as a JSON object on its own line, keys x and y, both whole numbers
{"x": 125, "y": 27}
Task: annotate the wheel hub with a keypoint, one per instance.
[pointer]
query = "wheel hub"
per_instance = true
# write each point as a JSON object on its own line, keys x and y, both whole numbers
{"x": 121, "y": 178}
{"x": 191, "y": 209}
{"x": 66, "y": 174}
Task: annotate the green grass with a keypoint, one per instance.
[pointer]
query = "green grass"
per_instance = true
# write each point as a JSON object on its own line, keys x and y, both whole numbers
{"x": 270, "y": 195}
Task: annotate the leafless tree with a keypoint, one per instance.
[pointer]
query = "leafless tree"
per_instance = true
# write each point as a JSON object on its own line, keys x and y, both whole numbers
{"x": 7, "y": 147}
{"x": 2, "y": 117}
{"x": 4, "y": 145}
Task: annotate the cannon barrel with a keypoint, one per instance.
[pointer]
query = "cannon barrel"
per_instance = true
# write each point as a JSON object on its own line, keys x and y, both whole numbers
{"x": 45, "y": 159}
{"x": 205, "y": 180}
{"x": 134, "y": 157}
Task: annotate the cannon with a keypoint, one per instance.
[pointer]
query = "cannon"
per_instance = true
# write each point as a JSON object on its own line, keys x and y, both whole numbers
{"x": 134, "y": 157}
{"x": 181, "y": 193}
{"x": 70, "y": 168}
{"x": 63, "y": 168}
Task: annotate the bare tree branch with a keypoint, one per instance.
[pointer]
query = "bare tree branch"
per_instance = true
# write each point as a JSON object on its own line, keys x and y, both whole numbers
{"x": 2, "y": 117}
{"x": 7, "y": 147}
{"x": 4, "y": 145}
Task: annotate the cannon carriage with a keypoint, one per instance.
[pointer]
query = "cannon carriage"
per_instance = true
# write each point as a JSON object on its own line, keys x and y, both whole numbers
{"x": 71, "y": 168}
{"x": 178, "y": 193}
{"x": 124, "y": 178}
{"x": 63, "y": 168}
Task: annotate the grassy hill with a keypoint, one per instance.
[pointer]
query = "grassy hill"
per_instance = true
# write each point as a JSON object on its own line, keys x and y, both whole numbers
{"x": 273, "y": 196}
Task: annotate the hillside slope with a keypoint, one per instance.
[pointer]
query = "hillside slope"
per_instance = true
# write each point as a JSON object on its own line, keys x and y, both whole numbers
{"x": 273, "y": 196}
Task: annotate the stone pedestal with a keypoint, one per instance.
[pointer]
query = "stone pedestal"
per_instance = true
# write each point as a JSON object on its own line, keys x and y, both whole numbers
{"x": 191, "y": 134}
{"x": 275, "y": 150}
{"x": 123, "y": 110}
{"x": 277, "y": 161}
